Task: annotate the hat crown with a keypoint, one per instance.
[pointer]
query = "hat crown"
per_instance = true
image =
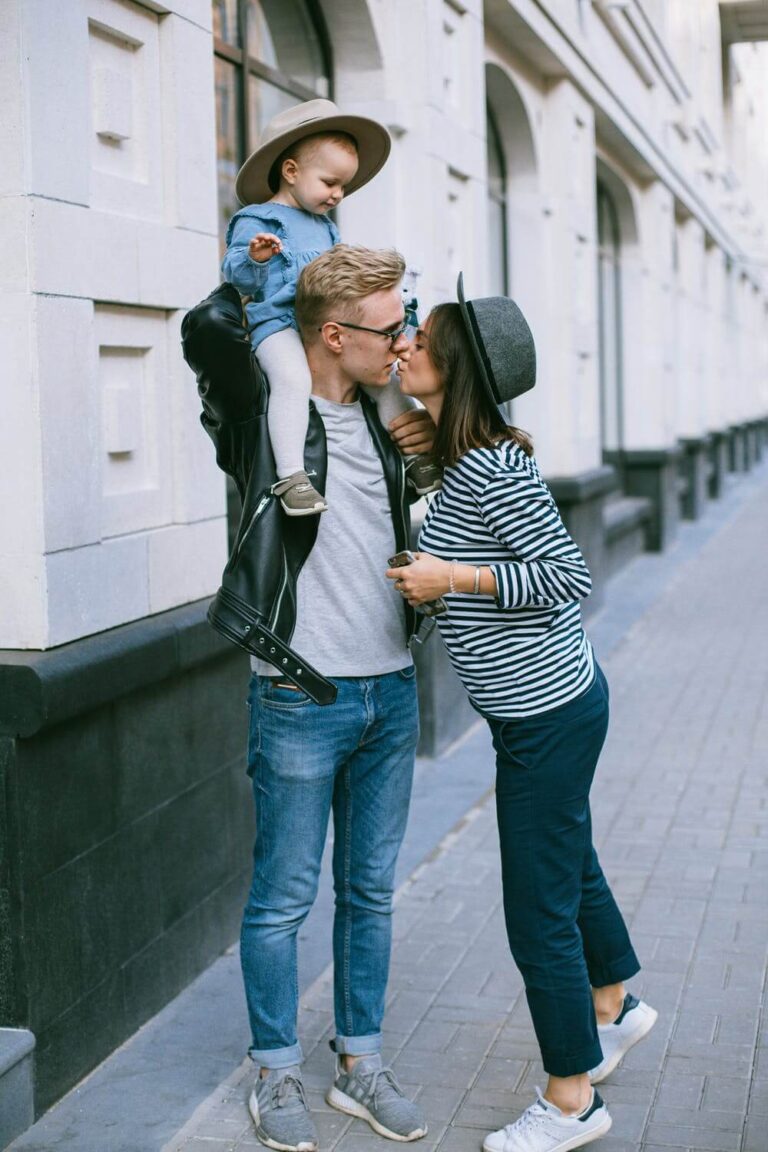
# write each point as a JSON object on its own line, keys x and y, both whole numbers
{"x": 502, "y": 344}
{"x": 298, "y": 116}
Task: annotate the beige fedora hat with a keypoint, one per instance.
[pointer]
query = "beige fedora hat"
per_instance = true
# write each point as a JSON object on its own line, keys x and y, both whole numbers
{"x": 253, "y": 184}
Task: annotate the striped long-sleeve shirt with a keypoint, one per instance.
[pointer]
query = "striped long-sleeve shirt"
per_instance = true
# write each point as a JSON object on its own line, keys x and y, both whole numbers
{"x": 523, "y": 651}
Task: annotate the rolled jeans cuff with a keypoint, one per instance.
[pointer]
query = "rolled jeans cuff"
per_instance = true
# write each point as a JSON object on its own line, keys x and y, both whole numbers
{"x": 276, "y": 1057}
{"x": 357, "y": 1045}
{"x": 602, "y": 973}
{"x": 574, "y": 1063}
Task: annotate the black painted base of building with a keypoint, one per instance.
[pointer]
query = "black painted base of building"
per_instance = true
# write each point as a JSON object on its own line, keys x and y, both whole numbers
{"x": 126, "y": 828}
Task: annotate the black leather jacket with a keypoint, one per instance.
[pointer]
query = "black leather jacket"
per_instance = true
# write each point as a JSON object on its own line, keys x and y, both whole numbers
{"x": 256, "y": 604}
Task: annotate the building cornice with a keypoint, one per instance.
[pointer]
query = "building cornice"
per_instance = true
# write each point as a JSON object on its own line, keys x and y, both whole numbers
{"x": 535, "y": 33}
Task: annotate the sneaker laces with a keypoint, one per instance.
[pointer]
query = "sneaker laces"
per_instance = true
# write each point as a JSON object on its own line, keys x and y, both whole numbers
{"x": 379, "y": 1080}
{"x": 527, "y": 1121}
{"x": 286, "y": 1089}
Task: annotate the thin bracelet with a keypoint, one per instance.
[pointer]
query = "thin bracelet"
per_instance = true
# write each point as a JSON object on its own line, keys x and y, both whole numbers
{"x": 476, "y": 588}
{"x": 451, "y": 576}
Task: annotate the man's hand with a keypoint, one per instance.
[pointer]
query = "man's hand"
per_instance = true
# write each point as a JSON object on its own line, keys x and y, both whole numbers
{"x": 413, "y": 432}
{"x": 264, "y": 246}
{"x": 425, "y": 579}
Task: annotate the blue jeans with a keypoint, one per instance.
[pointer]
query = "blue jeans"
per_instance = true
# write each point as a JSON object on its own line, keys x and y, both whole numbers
{"x": 564, "y": 928}
{"x": 355, "y": 758}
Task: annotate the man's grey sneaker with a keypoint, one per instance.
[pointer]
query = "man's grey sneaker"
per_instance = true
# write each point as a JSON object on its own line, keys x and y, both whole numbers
{"x": 633, "y": 1022}
{"x": 279, "y": 1110}
{"x": 298, "y": 497}
{"x": 371, "y": 1092}
{"x": 544, "y": 1128}
{"x": 422, "y": 475}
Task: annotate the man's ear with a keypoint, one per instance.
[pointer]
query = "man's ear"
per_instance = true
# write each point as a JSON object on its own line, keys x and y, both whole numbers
{"x": 330, "y": 334}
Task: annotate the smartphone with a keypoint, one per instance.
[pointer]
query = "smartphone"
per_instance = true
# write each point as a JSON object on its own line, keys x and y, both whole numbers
{"x": 429, "y": 607}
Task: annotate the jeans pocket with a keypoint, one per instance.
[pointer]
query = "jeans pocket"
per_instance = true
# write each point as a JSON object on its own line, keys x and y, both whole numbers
{"x": 408, "y": 673}
{"x": 276, "y": 693}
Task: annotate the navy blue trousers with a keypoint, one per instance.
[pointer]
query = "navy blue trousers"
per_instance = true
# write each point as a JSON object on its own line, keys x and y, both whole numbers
{"x": 565, "y": 930}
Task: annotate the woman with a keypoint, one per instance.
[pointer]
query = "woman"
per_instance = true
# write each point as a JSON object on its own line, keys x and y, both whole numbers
{"x": 495, "y": 547}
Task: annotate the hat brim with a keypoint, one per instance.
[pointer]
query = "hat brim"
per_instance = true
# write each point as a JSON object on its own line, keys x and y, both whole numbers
{"x": 373, "y": 147}
{"x": 481, "y": 360}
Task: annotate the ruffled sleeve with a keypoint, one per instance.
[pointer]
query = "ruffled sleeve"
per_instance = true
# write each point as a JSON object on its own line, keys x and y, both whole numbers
{"x": 249, "y": 276}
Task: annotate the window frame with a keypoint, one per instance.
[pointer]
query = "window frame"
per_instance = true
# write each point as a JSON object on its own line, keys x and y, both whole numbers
{"x": 250, "y": 66}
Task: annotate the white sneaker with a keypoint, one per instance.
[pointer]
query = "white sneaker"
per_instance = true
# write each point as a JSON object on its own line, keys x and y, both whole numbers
{"x": 544, "y": 1128}
{"x": 633, "y": 1022}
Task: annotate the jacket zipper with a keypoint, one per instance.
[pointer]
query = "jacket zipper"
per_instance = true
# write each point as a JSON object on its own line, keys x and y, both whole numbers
{"x": 258, "y": 510}
{"x": 281, "y": 593}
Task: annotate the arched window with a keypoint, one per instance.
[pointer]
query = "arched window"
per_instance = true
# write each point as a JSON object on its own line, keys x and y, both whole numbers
{"x": 269, "y": 54}
{"x": 498, "y": 272}
{"x": 609, "y": 319}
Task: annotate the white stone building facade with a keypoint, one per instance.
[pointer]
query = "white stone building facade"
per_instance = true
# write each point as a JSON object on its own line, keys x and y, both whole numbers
{"x": 513, "y": 122}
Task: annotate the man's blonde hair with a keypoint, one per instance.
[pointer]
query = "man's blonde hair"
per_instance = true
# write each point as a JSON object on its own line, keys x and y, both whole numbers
{"x": 333, "y": 285}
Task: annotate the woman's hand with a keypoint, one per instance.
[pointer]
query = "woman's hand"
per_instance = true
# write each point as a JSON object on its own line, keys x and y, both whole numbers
{"x": 413, "y": 432}
{"x": 425, "y": 579}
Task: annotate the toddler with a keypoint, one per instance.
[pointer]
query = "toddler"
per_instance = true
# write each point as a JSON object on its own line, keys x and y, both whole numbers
{"x": 311, "y": 156}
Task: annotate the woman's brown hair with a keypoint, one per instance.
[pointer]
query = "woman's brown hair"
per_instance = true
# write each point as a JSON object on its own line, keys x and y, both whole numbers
{"x": 469, "y": 418}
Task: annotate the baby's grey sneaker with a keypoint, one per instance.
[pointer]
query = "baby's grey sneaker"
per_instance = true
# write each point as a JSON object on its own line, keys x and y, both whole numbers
{"x": 371, "y": 1092}
{"x": 279, "y": 1110}
{"x": 298, "y": 497}
{"x": 633, "y": 1022}
{"x": 422, "y": 474}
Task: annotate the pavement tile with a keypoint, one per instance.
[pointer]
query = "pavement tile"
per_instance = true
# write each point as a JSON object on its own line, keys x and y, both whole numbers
{"x": 755, "y": 1135}
{"x": 460, "y": 1140}
{"x": 455, "y": 1070}
{"x": 700, "y": 1139}
{"x": 700, "y": 1118}
{"x": 440, "y": 1104}
{"x": 628, "y": 1118}
{"x": 676, "y": 1091}
{"x": 436, "y": 1038}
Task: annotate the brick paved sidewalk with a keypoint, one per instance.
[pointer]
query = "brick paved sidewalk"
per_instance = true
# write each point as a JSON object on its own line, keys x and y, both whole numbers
{"x": 681, "y": 819}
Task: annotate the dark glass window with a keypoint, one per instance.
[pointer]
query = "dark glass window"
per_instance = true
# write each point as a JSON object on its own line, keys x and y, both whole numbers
{"x": 269, "y": 54}
{"x": 609, "y": 318}
{"x": 497, "y": 210}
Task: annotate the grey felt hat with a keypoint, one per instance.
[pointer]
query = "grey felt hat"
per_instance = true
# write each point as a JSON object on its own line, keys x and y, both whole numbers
{"x": 502, "y": 344}
{"x": 257, "y": 182}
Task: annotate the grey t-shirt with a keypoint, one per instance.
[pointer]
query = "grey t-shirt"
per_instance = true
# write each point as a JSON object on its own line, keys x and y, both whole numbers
{"x": 349, "y": 616}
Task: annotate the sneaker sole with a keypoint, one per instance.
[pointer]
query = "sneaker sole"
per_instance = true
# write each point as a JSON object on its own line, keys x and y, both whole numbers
{"x": 303, "y": 1146}
{"x": 343, "y": 1103}
{"x": 643, "y": 1028}
{"x": 304, "y": 511}
{"x": 574, "y": 1141}
{"x": 426, "y": 491}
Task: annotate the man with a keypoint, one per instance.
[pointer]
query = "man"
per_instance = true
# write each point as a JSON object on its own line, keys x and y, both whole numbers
{"x": 354, "y": 757}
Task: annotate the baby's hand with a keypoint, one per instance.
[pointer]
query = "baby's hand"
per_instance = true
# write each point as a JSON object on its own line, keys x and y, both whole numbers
{"x": 264, "y": 246}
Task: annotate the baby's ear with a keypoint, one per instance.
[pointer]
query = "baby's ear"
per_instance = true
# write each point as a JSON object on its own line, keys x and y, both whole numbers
{"x": 289, "y": 169}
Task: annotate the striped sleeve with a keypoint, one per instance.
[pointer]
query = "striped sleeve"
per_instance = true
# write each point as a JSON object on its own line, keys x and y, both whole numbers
{"x": 520, "y": 512}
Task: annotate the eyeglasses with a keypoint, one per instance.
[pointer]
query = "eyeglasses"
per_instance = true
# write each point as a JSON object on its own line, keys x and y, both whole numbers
{"x": 392, "y": 336}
